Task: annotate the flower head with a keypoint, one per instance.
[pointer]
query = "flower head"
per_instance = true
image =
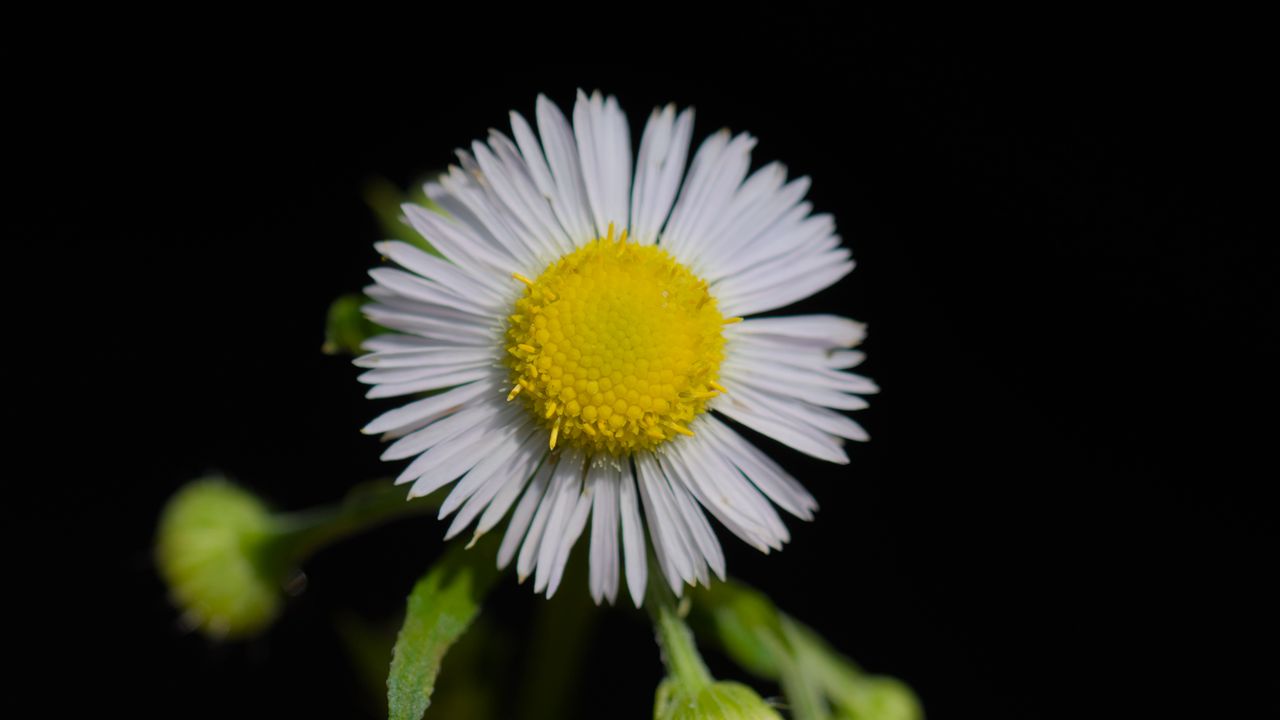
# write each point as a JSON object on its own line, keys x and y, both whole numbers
{"x": 581, "y": 328}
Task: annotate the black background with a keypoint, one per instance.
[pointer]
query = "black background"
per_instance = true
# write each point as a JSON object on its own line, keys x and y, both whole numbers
{"x": 1066, "y": 508}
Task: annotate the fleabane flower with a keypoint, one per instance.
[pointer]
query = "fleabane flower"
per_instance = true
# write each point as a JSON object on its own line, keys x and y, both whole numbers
{"x": 584, "y": 325}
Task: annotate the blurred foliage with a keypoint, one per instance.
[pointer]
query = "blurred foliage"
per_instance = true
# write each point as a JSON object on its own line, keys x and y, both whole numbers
{"x": 819, "y": 682}
{"x": 346, "y": 327}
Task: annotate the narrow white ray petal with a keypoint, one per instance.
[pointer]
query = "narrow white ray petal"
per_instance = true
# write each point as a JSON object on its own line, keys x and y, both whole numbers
{"x": 573, "y": 530}
{"x": 449, "y": 461}
{"x": 563, "y": 160}
{"x": 787, "y": 270}
{"x": 667, "y": 175}
{"x": 442, "y": 429}
{"x": 435, "y": 383}
{"x": 761, "y": 263}
{"x": 445, "y": 403}
{"x": 619, "y": 154}
{"x": 520, "y": 223}
{"x": 461, "y": 280}
{"x": 786, "y": 375}
{"x": 484, "y": 262}
{"x": 507, "y": 441}
{"x": 735, "y": 376}
{"x": 717, "y": 475}
{"x": 604, "y": 151}
{"x": 694, "y": 181}
{"x": 785, "y": 293}
{"x": 566, "y": 488}
{"x": 802, "y": 437}
{"x": 531, "y": 454}
{"x": 465, "y": 187}
{"x": 603, "y": 559}
{"x": 572, "y": 218}
{"x": 528, "y": 191}
{"x": 379, "y": 376}
{"x": 653, "y": 153}
{"x": 713, "y": 203}
{"x": 475, "y": 220}
{"x": 432, "y": 357}
{"x": 430, "y": 325}
{"x": 685, "y": 564}
{"x": 395, "y": 342}
{"x": 746, "y": 203}
{"x": 757, "y": 227}
{"x": 794, "y": 354}
{"x": 416, "y": 288}
{"x": 521, "y": 519}
{"x": 819, "y": 418}
{"x": 820, "y": 330}
{"x": 704, "y": 538}
{"x": 633, "y": 547}
{"x": 763, "y": 472}
{"x": 716, "y": 495}
{"x": 391, "y": 301}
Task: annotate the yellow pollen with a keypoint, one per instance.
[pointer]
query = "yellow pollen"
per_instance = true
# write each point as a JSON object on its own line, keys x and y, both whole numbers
{"x": 617, "y": 347}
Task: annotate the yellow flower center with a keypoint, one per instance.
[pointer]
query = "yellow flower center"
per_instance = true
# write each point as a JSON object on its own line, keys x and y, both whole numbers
{"x": 615, "y": 347}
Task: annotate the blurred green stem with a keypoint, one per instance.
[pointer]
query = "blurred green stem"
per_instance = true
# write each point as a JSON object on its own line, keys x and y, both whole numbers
{"x": 679, "y": 652}
{"x": 301, "y": 534}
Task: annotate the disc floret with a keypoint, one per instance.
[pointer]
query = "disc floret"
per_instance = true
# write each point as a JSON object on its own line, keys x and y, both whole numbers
{"x": 615, "y": 347}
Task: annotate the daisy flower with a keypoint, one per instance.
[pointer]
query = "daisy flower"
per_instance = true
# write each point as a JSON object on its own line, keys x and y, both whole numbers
{"x": 584, "y": 328}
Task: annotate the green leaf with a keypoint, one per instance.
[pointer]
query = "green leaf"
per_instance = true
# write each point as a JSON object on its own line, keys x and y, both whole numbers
{"x": 346, "y": 326}
{"x": 441, "y": 607}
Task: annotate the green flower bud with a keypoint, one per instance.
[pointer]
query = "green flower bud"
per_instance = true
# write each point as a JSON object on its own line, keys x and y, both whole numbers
{"x": 212, "y": 552}
{"x": 716, "y": 701}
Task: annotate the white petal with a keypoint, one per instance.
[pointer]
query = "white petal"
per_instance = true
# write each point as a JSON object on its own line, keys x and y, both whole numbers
{"x": 566, "y": 490}
{"x": 671, "y": 542}
{"x": 633, "y": 547}
{"x": 507, "y": 442}
{"x": 562, "y": 157}
{"x": 721, "y": 495}
{"x": 517, "y": 529}
{"x": 800, "y": 436}
{"x": 704, "y": 538}
{"x": 824, "y": 331}
{"x": 476, "y": 220}
{"x": 430, "y": 357}
{"x": 416, "y": 288}
{"x": 433, "y": 383}
{"x": 573, "y": 530}
{"x": 604, "y": 149}
{"x": 428, "y": 408}
{"x": 448, "y": 274}
{"x": 711, "y": 204}
{"x": 659, "y": 167}
{"x": 380, "y": 376}
{"x": 481, "y": 260}
{"x": 572, "y": 218}
{"x": 787, "y": 291}
{"x": 461, "y": 421}
{"x": 759, "y": 468}
{"x": 603, "y": 560}
{"x": 531, "y": 455}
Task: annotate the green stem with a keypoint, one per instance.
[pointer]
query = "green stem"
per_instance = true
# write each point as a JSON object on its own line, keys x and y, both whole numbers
{"x": 679, "y": 652}
{"x": 301, "y": 534}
